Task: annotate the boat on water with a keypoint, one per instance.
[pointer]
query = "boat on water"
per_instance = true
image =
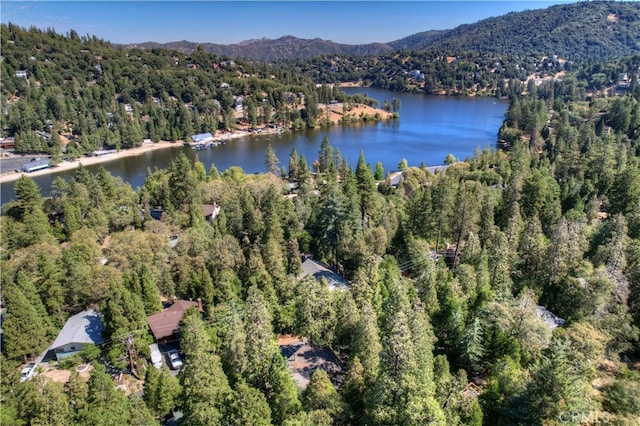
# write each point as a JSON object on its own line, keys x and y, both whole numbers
{"x": 201, "y": 146}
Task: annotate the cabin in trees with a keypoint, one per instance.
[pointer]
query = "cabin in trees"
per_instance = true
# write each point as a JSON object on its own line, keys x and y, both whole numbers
{"x": 83, "y": 328}
{"x": 210, "y": 211}
{"x": 304, "y": 358}
{"x": 164, "y": 325}
{"x": 319, "y": 271}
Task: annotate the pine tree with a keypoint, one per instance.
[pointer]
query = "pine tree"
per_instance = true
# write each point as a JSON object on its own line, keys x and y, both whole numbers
{"x": 149, "y": 291}
{"x": 249, "y": 407}
{"x": 325, "y": 161}
{"x": 260, "y": 343}
{"x": 206, "y": 390}
{"x": 367, "y": 191}
{"x": 294, "y": 163}
{"x": 106, "y": 404}
{"x": 78, "y": 392}
{"x": 366, "y": 344}
{"x": 556, "y": 387}
{"x": 320, "y": 394}
{"x": 231, "y": 328}
{"x": 139, "y": 413}
{"x": 404, "y": 392}
{"x": 472, "y": 347}
{"x": 24, "y": 332}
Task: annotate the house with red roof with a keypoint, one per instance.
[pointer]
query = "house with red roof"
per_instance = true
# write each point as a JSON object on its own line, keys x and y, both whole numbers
{"x": 164, "y": 325}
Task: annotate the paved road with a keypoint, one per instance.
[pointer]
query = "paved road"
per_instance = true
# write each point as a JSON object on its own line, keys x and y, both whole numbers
{"x": 9, "y": 164}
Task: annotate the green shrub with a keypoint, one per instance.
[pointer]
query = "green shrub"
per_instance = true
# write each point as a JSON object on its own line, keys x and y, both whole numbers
{"x": 622, "y": 397}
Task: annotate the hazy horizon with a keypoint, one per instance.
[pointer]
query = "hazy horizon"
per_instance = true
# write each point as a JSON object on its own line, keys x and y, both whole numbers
{"x": 231, "y": 22}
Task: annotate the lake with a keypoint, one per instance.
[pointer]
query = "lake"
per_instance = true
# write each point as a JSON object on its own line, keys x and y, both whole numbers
{"x": 428, "y": 129}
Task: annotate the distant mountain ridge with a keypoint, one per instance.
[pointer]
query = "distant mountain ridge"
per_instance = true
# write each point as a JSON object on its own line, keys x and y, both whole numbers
{"x": 264, "y": 49}
{"x": 596, "y": 30}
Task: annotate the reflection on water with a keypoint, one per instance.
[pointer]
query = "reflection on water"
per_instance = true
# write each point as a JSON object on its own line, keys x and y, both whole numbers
{"x": 428, "y": 129}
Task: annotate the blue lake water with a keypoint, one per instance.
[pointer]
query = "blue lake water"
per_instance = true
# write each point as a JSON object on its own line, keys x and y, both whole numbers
{"x": 428, "y": 129}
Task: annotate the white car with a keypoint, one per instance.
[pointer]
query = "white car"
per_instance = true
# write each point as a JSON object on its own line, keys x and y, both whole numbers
{"x": 28, "y": 371}
{"x": 174, "y": 359}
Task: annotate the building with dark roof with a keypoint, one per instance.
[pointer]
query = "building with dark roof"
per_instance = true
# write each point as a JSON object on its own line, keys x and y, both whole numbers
{"x": 304, "y": 358}
{"x": 164, "y": 325}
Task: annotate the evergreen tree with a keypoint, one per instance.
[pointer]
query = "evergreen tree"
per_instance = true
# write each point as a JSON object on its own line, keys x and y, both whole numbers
{"x": 249, "y": 407}
{"x": 24, "y": 332}
{"x": 149, "y": 291}
{"x": 78, "y": 393}
{"x": 472, "y": 347}
{"x": 51, "y": 405}
{"x": 556, "y": 387}
{"x": 293, "y": 165}
{"x": 366, "y": 190}
{"x": 161, "y": 391}
{"x": 404, "y": 391}
{"x": 320, "y": 394}
{"x": 106, "y": 404}
{"x": 206, "y": 390}
{"x": 366, "y": 344}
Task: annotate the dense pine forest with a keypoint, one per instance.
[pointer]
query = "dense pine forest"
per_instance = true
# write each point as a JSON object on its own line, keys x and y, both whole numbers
{"x": 502, "y": 291}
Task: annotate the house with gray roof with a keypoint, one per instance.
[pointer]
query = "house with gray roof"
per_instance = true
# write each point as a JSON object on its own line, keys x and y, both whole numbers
{"x": 319, "y": 271}
{"x": 83, "y": 328}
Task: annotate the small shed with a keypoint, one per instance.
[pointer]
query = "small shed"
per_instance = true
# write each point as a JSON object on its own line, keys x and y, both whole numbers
{"x": 83, "y": 328}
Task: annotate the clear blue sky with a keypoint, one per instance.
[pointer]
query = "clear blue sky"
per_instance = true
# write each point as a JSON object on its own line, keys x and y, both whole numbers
{"x": 225, "y": 22}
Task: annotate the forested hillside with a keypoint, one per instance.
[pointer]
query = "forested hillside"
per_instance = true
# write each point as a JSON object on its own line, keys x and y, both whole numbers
{"x": 581, "y": 31}
{"x": 502, "y": 291}
{"x": 82, "y": 94}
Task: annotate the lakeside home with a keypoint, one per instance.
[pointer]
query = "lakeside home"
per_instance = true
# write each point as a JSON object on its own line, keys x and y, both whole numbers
{"x": 35, "y": 165}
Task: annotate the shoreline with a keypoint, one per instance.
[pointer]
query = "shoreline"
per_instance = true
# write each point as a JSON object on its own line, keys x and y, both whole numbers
{"x": 335, "y": 117}
{"x": 125, "y": 153}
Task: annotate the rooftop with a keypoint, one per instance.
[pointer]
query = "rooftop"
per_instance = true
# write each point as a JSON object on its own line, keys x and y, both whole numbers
{"x": 164, "y": 324}
{"x": 319, "y": 270}
{"x": 83, "y": 327}
{"x": 304, "y": 358}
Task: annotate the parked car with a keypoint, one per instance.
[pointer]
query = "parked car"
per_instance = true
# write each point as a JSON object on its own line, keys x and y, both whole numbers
{"x": 174, "y": 359}
{"x": 28, "y": 371}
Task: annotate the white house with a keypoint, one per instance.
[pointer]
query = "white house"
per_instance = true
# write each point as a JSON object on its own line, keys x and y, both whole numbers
{"x": 21, "y": 74}
{"x": 83, "y": 328}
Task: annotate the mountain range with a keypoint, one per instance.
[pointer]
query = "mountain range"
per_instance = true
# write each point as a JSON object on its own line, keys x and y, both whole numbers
{"x": 589, "y": 30}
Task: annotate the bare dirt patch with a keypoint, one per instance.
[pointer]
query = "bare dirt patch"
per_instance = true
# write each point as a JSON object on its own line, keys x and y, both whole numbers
{"x": 356, "y": 112}
{"x": 62, "y": 376}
